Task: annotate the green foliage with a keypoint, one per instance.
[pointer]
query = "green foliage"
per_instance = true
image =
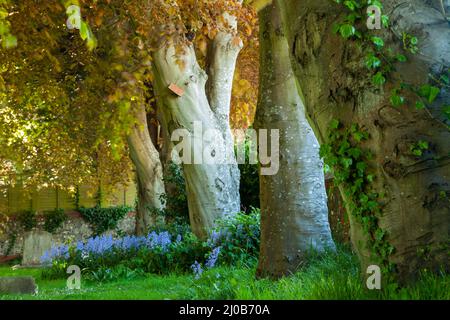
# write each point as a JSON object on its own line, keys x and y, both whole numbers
{"x": 381, "y": 59}
{"x": 104, "y": 219}
{"x": 329, "y": 276}
{"x": 249, "y": 183}
{"x": 54, "y": 219}
{"x": 75, "y": 20}
{"x": 12, "y": 239}
{"x": 57, "y": 271}
{"x": 27, "y": 219}
{"x": 175, "y": 211}
{"x": 176, "y": 199}
{"x": 177, "y": 257}
{"x": 7, "y": 39}
{"x": 349, "y": 165}
{"x": 238, "y": 236}
{"x": 163, "y": 252}
{"x": 418, "y": 148}
{"x": 410, "y": 43}
{"x": 115, "y": 273}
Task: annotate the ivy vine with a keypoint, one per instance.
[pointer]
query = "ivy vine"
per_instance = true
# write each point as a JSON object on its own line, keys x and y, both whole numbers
{"x": 349, "y": 165}
{"x": 380, "y": 60}
{"x": 347, "y": 161}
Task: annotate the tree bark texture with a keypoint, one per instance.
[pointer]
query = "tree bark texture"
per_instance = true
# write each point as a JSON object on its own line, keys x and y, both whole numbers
{"x": 330, "y": 70}
{"x": 149, "y": 172}
{"x": 212, "y": 189}
{"x": 294, "y": 212}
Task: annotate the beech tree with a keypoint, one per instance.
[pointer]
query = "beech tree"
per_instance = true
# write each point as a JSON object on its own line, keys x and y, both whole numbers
{"x": 294, "y": 211}
{"x": 110, "y": 54}
{"x": 204, "y": 99}
{"x": 377, "y": 102}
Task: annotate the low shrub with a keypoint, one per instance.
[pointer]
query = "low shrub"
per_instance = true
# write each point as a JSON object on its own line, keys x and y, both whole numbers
{"x": 104, "y": 219}
{"x": 235, "y": 240}
{"x": 27, "y": 219}
{"x": 54, "y": 219}
{"x": 155, "y": 253}
{"x": 238, "y": 236}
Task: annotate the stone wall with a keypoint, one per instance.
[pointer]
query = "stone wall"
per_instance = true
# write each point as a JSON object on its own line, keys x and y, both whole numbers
{"x": 75, "y": 228}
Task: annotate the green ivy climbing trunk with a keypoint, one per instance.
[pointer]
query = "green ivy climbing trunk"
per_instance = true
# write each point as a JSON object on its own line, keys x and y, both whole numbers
{"x": 294, "y": 212}
{"x": 407, "y": 204}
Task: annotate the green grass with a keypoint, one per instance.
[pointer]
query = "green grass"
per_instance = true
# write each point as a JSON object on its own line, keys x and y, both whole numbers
{"x": 331, "y": 276}
{"x": 148, "y": 288}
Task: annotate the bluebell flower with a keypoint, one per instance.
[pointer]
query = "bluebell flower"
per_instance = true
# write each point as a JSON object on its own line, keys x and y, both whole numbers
{"x": 212, "y": 259}
{"x": 197, "y": 269}
{"x": 55, "y": 252}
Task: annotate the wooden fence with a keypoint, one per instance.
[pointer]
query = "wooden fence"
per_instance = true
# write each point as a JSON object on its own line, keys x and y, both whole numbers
{"x": 15, "y": 199}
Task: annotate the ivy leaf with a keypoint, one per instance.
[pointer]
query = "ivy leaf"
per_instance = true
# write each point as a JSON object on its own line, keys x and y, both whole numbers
{"x": 378, "y": 42}
{"x": 401, "y": 58}
{"x": 372, "y": 62}
{"x": 420, "y": 105}
{"x": 397, "y": 100}
{"x": 385, "y": 20}
{"x": 379, "y": 234}
{"x": 355, "y": 153}
{"x": 359, "y": 136}
{"x": 346, "y": 162}
{"x": 445, "y": 79}
{"x": 350, "y": 4}
{"x": 434, "y": 92}
{"x": 378, "y": 79}
{"x": 334, "y": 124}
{"x": 347, "y": 30}
{"x": 423, "y": 145}
{"x": 361, "y": 166}
{"x": 446, "y": 111}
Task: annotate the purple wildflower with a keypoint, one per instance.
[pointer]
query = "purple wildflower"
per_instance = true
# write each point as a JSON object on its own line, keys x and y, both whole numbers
{"x": 212, "y": 259}
{"x": 197, "y": 269}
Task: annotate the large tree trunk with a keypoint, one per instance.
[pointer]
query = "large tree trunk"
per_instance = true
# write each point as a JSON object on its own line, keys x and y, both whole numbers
{"x": 294, "y": 212}
{"x": 212, "y": 189}
{"x": 413, "y": 190}
{"x": 148, "y": 172}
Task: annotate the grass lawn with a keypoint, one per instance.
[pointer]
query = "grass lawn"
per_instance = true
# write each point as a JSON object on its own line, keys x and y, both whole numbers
{"x": 334, "y": 276}
{"x": 149, "y": 287}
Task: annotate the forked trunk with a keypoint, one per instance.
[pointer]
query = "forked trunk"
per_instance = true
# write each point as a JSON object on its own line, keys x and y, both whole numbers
{"x": 212, "y": 189}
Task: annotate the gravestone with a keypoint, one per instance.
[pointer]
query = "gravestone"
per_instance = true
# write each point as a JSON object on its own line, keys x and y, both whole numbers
{"x": 35, "y": 243}
{"x": 17, "y": 285}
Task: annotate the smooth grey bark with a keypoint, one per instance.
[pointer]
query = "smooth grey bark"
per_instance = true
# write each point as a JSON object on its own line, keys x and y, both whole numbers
{"x": 294, "y": 212}
{"x": 212, "y": 189}
{"x": 149, "y": 174}
{"x": 336, "y": 85}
